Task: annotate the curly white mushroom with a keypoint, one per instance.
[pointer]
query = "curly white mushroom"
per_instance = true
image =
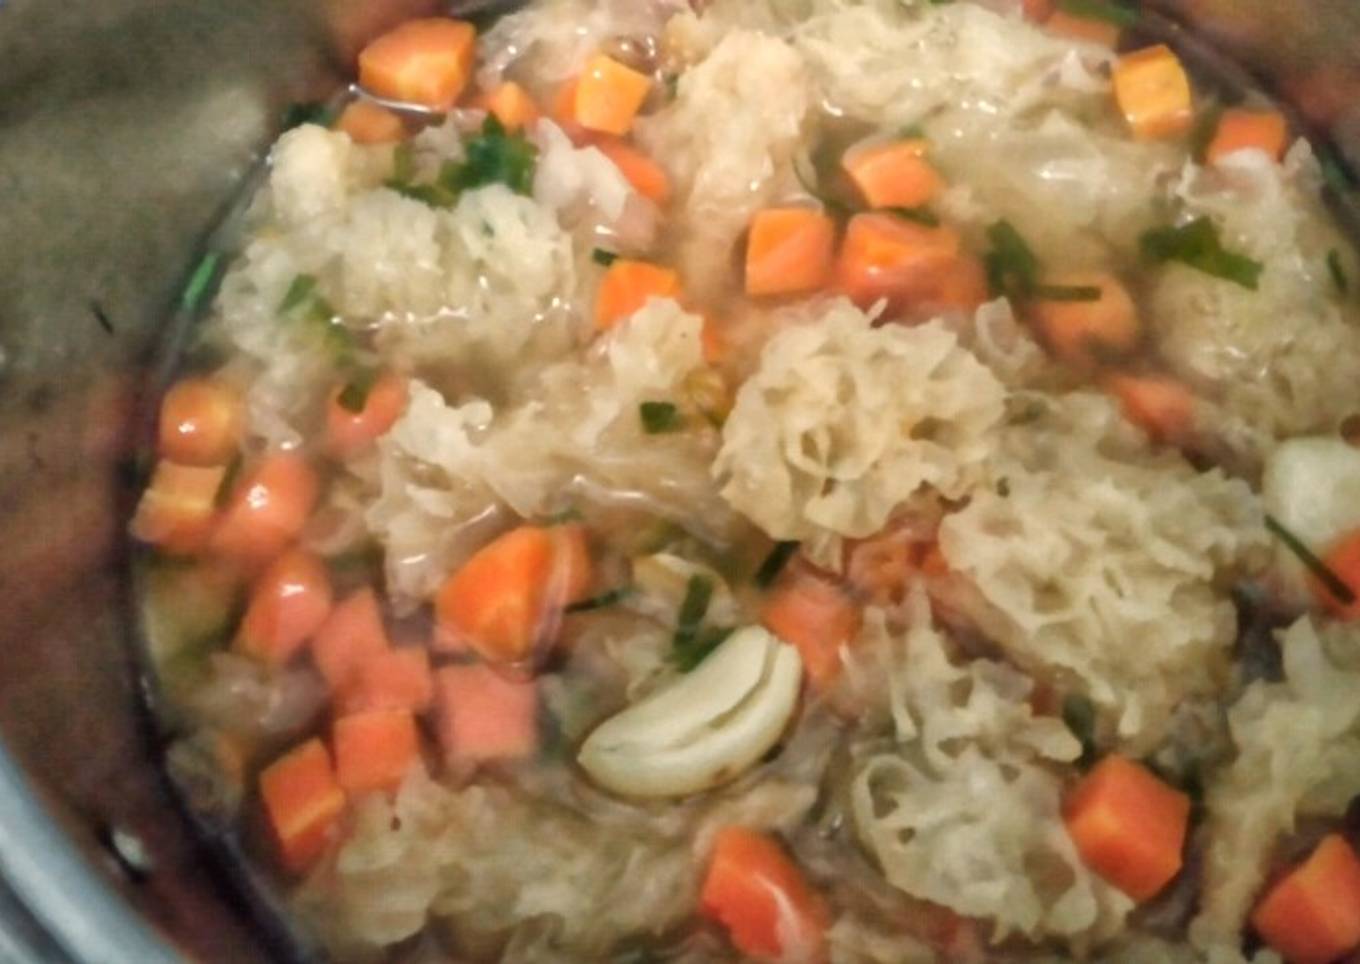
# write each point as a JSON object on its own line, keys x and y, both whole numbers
{"x": 705, "y": 728}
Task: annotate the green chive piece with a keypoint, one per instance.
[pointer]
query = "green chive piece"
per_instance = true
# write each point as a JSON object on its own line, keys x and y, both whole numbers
{"x": 1338, "y": 271}
{"x": 693, "y": 609}
{"x": 774, "y": 563}
{"x": 1198, "y": 245}
{"x": 1066, "y": 292}
{"x": 919, "y": 215}
{"x": 602, "y": 601}
{"x": 354, "y": 396}
{"x": 1079, "y": 714}
{"x": 1334, "y": 583}
{"x": 1119, "y": 14}
{"x": 659, "y": 418}
{"x": 601, "y": 256}
{"x": 200, "y": 281}
{"x": 1011, "y": 264}
{"x": 300, "y": 292}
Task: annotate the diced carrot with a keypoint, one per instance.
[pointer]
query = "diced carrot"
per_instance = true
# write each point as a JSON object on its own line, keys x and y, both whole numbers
{"x": 816, "y": 616}
{"x": 887, "y": 257}
{"x": 368, "y": 123}
{"x": 761, "y": 897}
{"x": 1037, "y": 11}
{"x": 1088, "y": 334}
{"x": 647, "y": 176}
{"x": 563, "y": 112}
{"x": 424, "y": 62}
{"x": 1312, "y": 915}
{"x": 1162, "y": 406}
{"x": 288, "y": 603}
{"x": 609, "y": 95}
{"x": 505, "y": 600}
{"x": 1239, "y": 130}
{"x": 933, "y": 562}
{"x": 179, "y": 508}
{"x": 303, "y": 803}
{"x": 1343, "y": 559}
{"x": 398, "y": 679}
{"x": 201, "y": 422}
{"x": 375, "y": 749}
{"x": 1091, "y": 30}
{"x": 878, "y": 567}
{"x": 483, "y": 716}
{"x": 894, "y": 174}
{"x": 1128, "y": 826}
{"x": 628, "y": 285}
{"x": 789, "y": 251}
{"x": 349, "y": 432}
{"x": 512, "y": 106}
{"x": 351, "y": 635}
{"x": 1153, "y": 92}
{"x": 712, "y": 341}
{"x": 267, "y": 509}
{"x": 962, "y": 286}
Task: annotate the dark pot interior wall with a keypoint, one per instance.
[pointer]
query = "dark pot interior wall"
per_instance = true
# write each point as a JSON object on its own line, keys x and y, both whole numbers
{"x": 124, "y": 126}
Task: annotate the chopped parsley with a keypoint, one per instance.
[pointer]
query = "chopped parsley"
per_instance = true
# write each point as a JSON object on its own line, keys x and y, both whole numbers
{"x": 494, "y": 156}
{"x": 1119, "y": 14}
{"x": 1198, "y": 245}
{"x": 659, "y": 418}
{"x": 1338, "y": 271}
{"x": 200, "y": 281}
{"x": 1335, "y": 585}
{"x": 603, "y": 600}
{"x": 603, "y": 257}
{"x": 301, "y": 291}
{"x": 774, "y": 563}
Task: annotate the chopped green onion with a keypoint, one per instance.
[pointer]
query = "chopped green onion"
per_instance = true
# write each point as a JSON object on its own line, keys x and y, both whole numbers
{"x": 695, "y": 651}
{"x": 1011, "y": 264}
{"x": 833, "y": 206}
{"x": 299, "y": 293}
{"x": 354, "y": 396}
{"x": 1198, "y": 245}
{"x": 493, "y": 157}
{"x": 693, "y": 609}
{"x": 604, "y": 599}
{"x": 403, "y": 163}
{"x": 1119, "y": 14}
{"x": 919, "y": 215}
{"x": 200, "y": 281}
{"x": 1338, "y": 271}
{"x": 1202, "y": 134}
{"x": 1334, "y": 583}
{"x": 1066, "y": 292}
{"x": 659, "y": 418}
{"x": 774, "y": 563}
{"x": 1079, "y": 714}
{"x": 601, "y": 256}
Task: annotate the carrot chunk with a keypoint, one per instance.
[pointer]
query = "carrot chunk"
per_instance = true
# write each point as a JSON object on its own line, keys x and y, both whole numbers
{"x": 375, "y": 749}
{"x": 1091, "y": 30}
{"x": 1343, "y": 559}
{"x": 963, "y": 286}
{"x": 817, "y": 617}
{"x": 483, "y": 716}
{"x": 368, "y": 123}
{"x": 303, "y": 803}
{"x": 563, "y": 112}
{"x": 789, "y": 251}
{"x": 398, "y": 679}
{"x": 887, "y": 257}
{"x": 504, "y": 602}
{"x": 178, "y": 509}
{"x": 893, "y": 175}
{"x": 512, "y": 106}
{"x": 627, "y": 286}
{"x": 424, "y": 62}
{"x": 1037, "y": 11}
{"x": 1087, "y": 334}
{"x": 1240, "y": 130}
{"x": 1159, "y": 404}
{"x": 609, "y": 95}
{"x": 351, "y": 635}
{"x": 1128, "y": 826}
{"x": 288, "y": 603}
{"x": 1153, "y": 92}
{"x": 1312, "y": 915}
{"x": 877, "y": 568}
{"x": 201, "y": 422}
{"x": 647, "y": 176}
{"x": 267, "y": 509}
{"x": 761, "y": 897}
{"x": 353, "y": 423}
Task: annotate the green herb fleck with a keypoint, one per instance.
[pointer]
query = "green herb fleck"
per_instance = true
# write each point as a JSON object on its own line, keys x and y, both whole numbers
{"x": 697, "y": 649}
{"x": 354, "y": 396}
{"x": 1011, "y": 264}
{"x": 1335, "y": 585}
{"x": 774, "y": 563}
{"x": 601, "y": 256}
{"x": 919, "y": 215}
{"x": 300, "y": 292}
{"x": 200, "y": 281}
{"x": 1198, "y": 245}
{"x": 1003, "y": 487}
{"x": 603, "y": 600}
{"x": 692, "y": 642}
{"x": 1079, "y": 714}
{"x": 659, "y": 418}
{"x": 493, "y": 157}
{"x": 1066, "y": 292}
{"x": 1338, "y": 271}
{"x": 1119, "y": 14}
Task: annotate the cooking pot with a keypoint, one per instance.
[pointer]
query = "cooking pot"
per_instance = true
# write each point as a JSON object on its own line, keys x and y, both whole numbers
{"x": 126, "y": 128}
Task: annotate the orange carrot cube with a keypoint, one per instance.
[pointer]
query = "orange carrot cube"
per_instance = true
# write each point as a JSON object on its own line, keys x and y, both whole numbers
{"x": 646, "y": 176}
{"x": 178, "y": 510}
{"x": 895, "y": 174}
{"x": 627, "y": 286}
{"x": 375, "y": 749}
{"x": 303, "y": 803}
{"x": 368, "y": 123}
{"x": 426, "y": 62}
{"x": 1240, "y": 130}
{"x": 1312, "y": 915}
{"x": 1088, "y": 334}
{"x": 1091, "y": 30}
{"x": 1153, "y": 92}
{"x": 397, "y": 679}
{"x": 483, "y": 716}
{"x": 511, "y": 104}
{"x": 609, "y": 95}
{"x": 350, "y": 636}
{"x": 789, "y": 251}
{"x": 817, "y": 617}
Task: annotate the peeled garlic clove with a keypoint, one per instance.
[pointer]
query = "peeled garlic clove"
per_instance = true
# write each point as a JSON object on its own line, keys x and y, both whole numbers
{"x": 705, "y": 728}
